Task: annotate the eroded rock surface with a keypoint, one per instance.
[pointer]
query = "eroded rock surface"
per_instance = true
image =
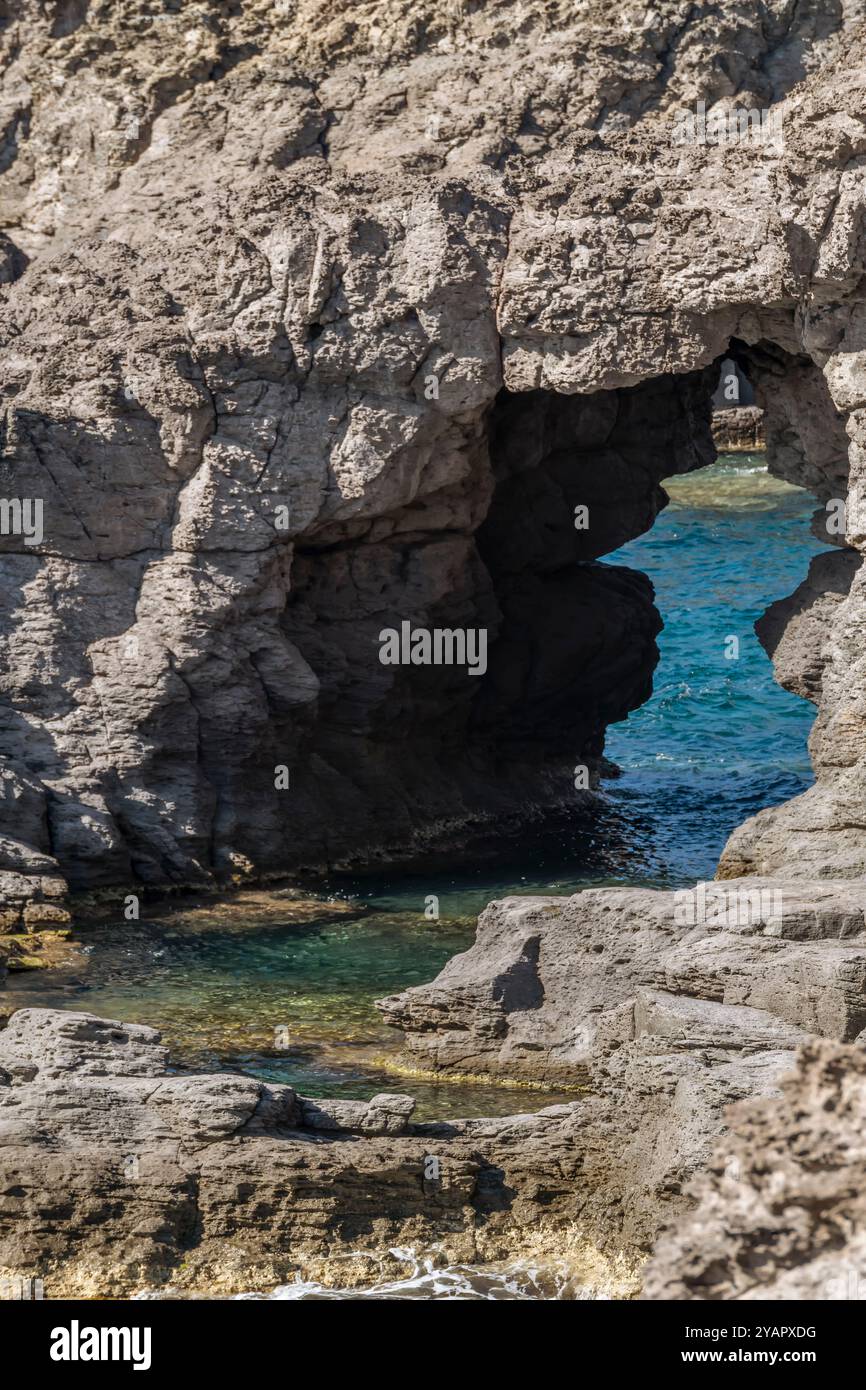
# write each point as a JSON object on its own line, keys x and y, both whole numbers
{"x": 550, "y": 984}
{"x": 315, "y": 324}
{"x": 739, "y": 430}
{"x": 669, "y": 1007}
{"x": 780, "y": 1208}
{"x": 116, "y": 1176}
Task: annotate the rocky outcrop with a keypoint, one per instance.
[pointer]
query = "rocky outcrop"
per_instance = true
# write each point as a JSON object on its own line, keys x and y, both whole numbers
{"x": 309, "y": 333}
{"x": 780, "y": 1208}
{"x": 814, "y": 640}
{"x": 739, "y": 430}
{"x": 550, "y": 984}
{"x": 661, "y": 1010}
{"x": 317, "y": 326}
{"x": 668, "y": 1007}
{"x": 117, "y": 1175}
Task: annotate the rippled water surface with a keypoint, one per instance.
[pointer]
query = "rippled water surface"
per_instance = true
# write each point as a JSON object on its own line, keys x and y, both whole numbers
{"x": 282, "y": 986}
{"x": 719, "y": 739}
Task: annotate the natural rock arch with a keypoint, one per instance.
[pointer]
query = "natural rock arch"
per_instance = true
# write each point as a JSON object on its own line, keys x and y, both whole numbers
{"x": 185, "y": 358}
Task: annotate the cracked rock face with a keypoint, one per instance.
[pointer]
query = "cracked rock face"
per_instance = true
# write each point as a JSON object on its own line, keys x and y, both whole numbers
{"x": 316, "y": 325}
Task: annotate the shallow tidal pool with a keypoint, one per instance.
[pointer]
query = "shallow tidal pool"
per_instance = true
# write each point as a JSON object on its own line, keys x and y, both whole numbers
{"x": 281, "y": 985}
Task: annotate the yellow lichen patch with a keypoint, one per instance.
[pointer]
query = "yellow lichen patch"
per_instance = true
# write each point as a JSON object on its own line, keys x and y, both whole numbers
{"x": 468, "y": 1078}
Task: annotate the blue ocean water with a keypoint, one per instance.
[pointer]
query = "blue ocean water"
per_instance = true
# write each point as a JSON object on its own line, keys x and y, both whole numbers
{"x": 717, "y": 741}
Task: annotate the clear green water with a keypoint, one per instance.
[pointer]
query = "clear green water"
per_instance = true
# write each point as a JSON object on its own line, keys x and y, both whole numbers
{"x": 718, "y": 740}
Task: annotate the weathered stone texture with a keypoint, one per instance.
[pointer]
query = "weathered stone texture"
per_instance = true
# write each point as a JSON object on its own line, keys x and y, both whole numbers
{"x": 316, "y": 322}
{"x": 779, "y": 1211}
{"x": 118, "y": 1176}
{"x": 242, "y": 242}
{"x": 668, "y": 1007}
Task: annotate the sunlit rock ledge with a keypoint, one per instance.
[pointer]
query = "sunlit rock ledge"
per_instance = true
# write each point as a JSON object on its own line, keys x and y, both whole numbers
{"x": 660, "y": 1009}
{"x": 670, "y": 1007}
{"x": 739, "y": 430}
{"x": 120, "y": 1177}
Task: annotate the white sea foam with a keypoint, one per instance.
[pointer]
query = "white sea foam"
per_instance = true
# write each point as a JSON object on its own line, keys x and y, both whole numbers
{"x": 428, "y": 1276}
{"x": 431, "y": 1279}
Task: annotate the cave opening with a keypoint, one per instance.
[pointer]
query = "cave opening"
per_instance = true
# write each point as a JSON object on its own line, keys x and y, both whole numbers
{"x": 573, "y": 657}
{"x": 719, "y": 738}
{"x": 454, "y": 766}
{"x": 619, "y": 533}
{"x": 550, "y": 527}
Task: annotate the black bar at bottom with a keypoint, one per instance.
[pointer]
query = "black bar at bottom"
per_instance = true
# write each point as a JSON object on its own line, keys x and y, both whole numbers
{"x": 79, "y": 1338}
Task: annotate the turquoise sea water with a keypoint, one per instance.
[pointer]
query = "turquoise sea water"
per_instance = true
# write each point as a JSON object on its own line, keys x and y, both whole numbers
{"x": 717, "y": 740}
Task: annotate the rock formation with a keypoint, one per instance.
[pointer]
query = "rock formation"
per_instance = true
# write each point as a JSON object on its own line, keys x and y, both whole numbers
{"x": 119, "y": 1177}
{"x": 308, "y": 332}
{"x": 669, "y": 1006}
{"x": 313, "y": 325}
{"x": 662, "y": 1009}
{"x": 739, "y": 430}
{"x": 779, "y": 1210}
